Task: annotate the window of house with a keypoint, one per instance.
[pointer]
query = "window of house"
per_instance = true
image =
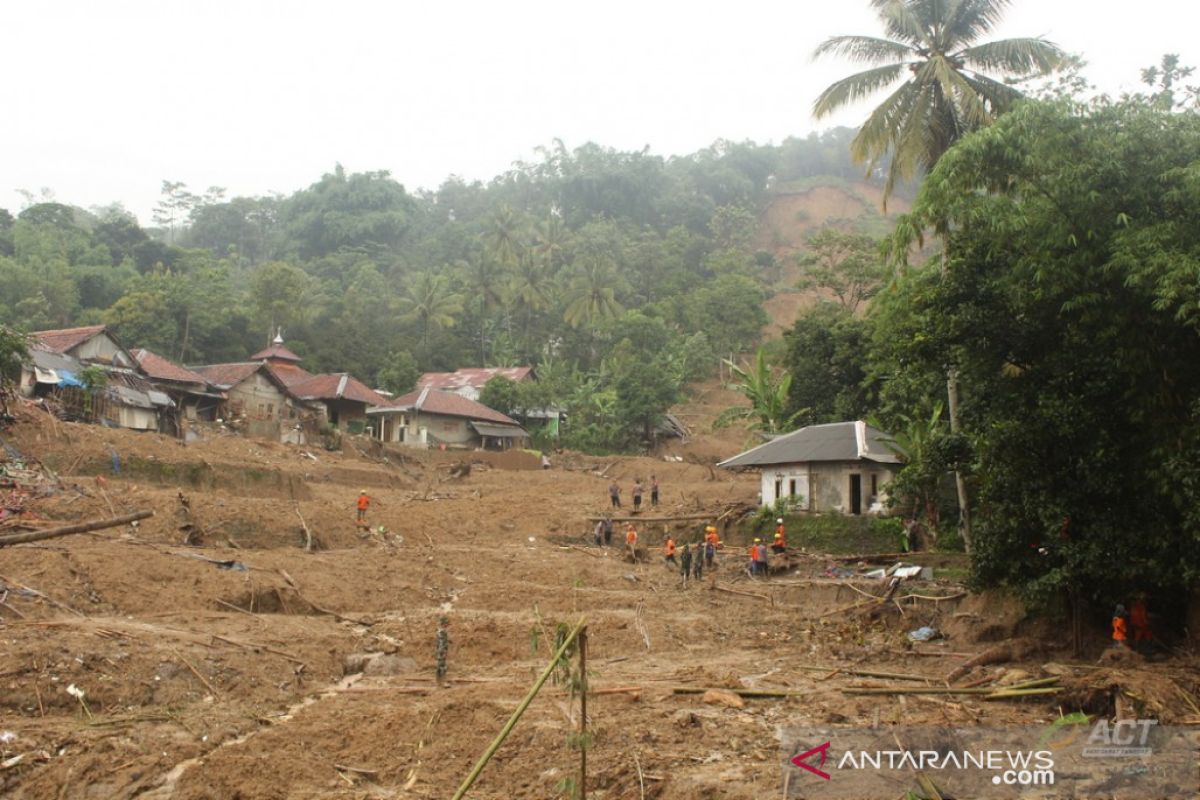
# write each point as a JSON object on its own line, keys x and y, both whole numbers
{"x": 271, "y": 409}
{"x": 450, "y": 427}
{"x": 875, "y": 484}
{"x": 778, "y": 488}
{"x": 792, "y": 487}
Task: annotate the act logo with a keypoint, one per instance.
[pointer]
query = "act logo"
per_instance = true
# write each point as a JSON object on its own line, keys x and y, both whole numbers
{"x": 801, "y": 760}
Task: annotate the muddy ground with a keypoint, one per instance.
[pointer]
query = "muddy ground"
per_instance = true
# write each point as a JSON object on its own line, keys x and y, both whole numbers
{"x": 218, "y": 659}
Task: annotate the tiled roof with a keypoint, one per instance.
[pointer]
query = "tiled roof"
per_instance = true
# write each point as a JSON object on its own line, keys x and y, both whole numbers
{"x": 60, "y": 341}
{"x": 835, "y": 441}
{"x": 275, "y": 351}
{"x": 476, "y": 377}
{"x": 160, "y": 369}
{"x": 289, "y": 374}
{"x": 226, "y": 376}
{"x": 336, "y": 386}
{"x": 448, "y": 404}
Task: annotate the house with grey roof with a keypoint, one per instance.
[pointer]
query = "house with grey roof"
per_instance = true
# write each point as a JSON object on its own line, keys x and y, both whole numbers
{"x": 840, "y": 466}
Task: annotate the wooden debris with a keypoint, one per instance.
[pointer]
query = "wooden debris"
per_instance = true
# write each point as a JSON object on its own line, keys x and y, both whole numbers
{"x": 81, "y": 527}
{"x": 755, "y": 693}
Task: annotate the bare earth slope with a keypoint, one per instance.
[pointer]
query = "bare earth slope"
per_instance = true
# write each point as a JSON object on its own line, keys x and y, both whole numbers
{"x": 203, "y": 681}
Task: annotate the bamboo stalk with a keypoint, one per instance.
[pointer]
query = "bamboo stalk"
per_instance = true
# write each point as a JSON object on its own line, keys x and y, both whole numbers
{"x": 764, "y": 693}
{"x": 516, "y": 715}
{"x": 998, "y": 695}
{"x": 196, "y": 672}
{"x": 866, "y": 673}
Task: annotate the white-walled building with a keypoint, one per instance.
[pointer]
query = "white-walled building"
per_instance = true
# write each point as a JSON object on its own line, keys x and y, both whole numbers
{"x": 841, "y": 466}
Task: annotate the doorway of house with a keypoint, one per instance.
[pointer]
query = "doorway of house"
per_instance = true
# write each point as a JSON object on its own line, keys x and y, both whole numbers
{"x": 856, "y": 494}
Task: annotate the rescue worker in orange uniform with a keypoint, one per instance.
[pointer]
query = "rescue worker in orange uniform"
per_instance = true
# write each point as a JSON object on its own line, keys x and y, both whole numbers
{"x": 669, "y": 551}
{"x": 363, "y": 503}
{"x": 1118, "y": 626}
{"x": 755, "y": 561}
{"x": 631, "y": 538}
{"x": 1139, "y": 618}
{"x": 711, "y": 540}
{"x": 780, "y": 543}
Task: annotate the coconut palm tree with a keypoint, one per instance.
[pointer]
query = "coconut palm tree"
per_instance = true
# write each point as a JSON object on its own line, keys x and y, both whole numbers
{"x": 591, "y": 295}
{"x": 430, "y": 301}
{"x": 952, "y": 83}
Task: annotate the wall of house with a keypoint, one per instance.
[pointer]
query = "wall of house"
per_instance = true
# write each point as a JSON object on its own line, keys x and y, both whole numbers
{"x": 99, "y": 348}
{"x": 825, "y": 486}
{"x": 786, "y": 480}
{"x": 350, "y": 415}
{"x": 141, "y": 419}
{"x": 420, "y": 429}
{"x": 257, "y": 398}
{"x": 451, "y": 430}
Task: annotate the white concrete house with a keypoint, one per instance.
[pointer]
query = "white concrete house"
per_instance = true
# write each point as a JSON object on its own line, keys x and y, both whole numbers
{"x": 840, "y": 466}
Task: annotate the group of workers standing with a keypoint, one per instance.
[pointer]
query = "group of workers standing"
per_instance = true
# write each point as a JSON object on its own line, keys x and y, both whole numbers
{"x": 1138, "y": 618}
{"x": 639, "y": 490}
{"x": 693, "y": 560}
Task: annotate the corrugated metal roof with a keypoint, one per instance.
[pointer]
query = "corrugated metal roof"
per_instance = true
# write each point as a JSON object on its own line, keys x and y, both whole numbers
{"x": 226, "y": 376}
{"x": 447, "y": 404}
{"x": 275, "y": 351}
{"x": 499, "y": 431}
{"x": 336, "y": 386}
{"x": 836, "y": 441}
{"x": 475, "y": 377}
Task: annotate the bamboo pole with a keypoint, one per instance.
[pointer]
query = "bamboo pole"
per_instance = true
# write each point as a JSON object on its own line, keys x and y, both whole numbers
{"x": 516, "y": 715}
{"x": 81, "y": 527}
{"x": 583, "y": 693}
{"x": 867, "y": 673}
{"x": 741, "y": 692}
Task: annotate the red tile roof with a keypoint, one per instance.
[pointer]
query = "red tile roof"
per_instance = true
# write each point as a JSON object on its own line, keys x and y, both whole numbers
{"x": 450, "y": 405}
{"x": 275, "y": 351}
{"x": 336, "y": 386}
{"x": 289, "y": 374}
{"x": 476, "y": 377}
{"x": 60, "y": 341}
{"x": 228, "y": 375}
{"x": 160, "y": 369}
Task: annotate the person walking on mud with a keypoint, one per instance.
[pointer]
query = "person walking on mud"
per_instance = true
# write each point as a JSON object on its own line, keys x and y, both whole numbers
{"x": 669, "y": 550}
{"x": 631, "y": 539}
{"x": 608, "y": 529}
{"x": 698, "y": 563}
{"x": 637, "y": 495}
{"x": 685, "y": 564}
{"x": 653, "y": 492}
{"x": 364, "y": 503}
{"x": 614, "y": 494}
{"x": 443, "y": 648}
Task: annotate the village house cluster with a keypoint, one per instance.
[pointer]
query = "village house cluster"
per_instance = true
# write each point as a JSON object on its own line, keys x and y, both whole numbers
{"x": 90, "y": 376}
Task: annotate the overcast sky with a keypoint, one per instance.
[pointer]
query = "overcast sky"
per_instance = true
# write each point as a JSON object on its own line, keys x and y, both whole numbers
{"x": 106, "y": 99}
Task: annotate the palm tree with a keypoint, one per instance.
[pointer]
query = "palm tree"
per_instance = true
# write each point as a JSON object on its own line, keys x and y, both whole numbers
{"x": 768, "y": 396}
{"x": 430, "y": 300}
{"x": 591, "y": 295}
{"x": 934, "y": 45}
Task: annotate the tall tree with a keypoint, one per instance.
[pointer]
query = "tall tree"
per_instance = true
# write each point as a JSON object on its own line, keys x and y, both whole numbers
{"x": 431, "y": 302}
{"x": 953, "y": 83}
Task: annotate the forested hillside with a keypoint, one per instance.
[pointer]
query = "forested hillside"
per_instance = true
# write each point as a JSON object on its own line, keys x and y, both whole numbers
{"x": 622, "y": 275}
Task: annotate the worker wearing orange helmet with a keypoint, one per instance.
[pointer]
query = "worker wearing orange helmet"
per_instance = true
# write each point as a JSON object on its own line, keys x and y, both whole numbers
{"x": 363, "y": 503}
{"x": 631, "y": 537}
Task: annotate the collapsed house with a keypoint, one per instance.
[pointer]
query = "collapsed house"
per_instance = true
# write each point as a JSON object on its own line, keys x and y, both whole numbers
{"x": 93, "y": 378}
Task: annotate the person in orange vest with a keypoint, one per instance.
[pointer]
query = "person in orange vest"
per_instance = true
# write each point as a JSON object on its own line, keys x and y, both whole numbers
{"x": 669, "y": 550}
{"x": 631, "y": 538}
{"x": 1118, "y": 626}
{"x": 710, "y": 545}
{"x": 780, "y": 543}
{"x": 754, "y": 559}
{"x": 363, "y": 503}
{"x": 1139, "y": 618}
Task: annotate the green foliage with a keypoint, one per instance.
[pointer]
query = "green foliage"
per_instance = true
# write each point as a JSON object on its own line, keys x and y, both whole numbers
{"x": 947, "y": 93}
{"x": 767, "y": 392}
{"x": 1062, "y": 302}
{"x": 14, "y": 352}
{"x": 826, "y": 358}
{"x": 847, "y": 264}
{"x": 399, "y": 374}
{"x": 501, "y": 394}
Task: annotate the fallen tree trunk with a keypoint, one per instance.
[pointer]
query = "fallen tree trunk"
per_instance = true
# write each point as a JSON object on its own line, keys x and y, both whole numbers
{"x": 82, "y": 527}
